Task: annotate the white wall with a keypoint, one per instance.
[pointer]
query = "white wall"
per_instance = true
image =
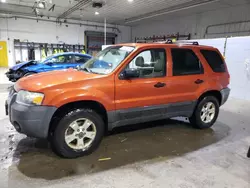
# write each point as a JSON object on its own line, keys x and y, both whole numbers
{"x": 49, "y": 32}
{"x": 196, "y": 23}
{"x": 237, "y": 56}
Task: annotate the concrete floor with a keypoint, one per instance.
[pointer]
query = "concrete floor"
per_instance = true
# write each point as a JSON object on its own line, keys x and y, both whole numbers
{"x": 167, "y": 153}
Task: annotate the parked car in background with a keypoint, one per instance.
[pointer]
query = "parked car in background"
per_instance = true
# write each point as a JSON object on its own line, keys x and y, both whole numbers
{"x": 54, "y": 62}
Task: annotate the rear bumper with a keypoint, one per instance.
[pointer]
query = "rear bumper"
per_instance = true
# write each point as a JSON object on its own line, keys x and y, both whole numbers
{"x": 224, "y": 95}
{"x": 32, "y": 121}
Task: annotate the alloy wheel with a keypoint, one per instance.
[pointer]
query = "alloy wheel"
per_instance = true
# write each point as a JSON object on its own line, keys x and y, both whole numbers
{"x": 80, "y": 134}
{"x": 208, "y": 112}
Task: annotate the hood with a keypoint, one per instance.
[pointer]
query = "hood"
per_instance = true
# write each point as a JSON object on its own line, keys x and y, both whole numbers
{"x": 20, "y": 65}
{"x": 38, "y": 82}
{"x": 35, "y": 67}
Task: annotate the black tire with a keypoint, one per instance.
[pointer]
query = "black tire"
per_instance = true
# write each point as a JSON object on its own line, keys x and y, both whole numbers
{"x": 29, "y": 73}
{"x": 58, "y": 143}
{"x": 196, "y": 120}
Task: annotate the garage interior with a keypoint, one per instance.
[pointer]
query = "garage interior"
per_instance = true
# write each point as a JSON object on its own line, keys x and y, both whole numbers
{"x": 166, "y": 153}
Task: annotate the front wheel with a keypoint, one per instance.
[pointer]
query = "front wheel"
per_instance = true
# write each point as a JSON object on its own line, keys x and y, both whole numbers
{"x": 78, "y": 133}
{"x": 206, "y": 113}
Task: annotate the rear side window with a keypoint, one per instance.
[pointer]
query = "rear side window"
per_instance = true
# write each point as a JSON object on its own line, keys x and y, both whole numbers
{"x": 214, "y": 60}
{"x": 185, "y": 62}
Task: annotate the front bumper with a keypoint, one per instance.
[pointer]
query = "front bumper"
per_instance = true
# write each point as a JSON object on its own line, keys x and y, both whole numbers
{"x": 14, "y": 75}
{"x": 224, "y": 95}
{"x": 32, "y": 121}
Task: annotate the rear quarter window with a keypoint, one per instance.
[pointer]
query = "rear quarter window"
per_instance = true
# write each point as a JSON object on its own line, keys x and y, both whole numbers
{"x": 214, "y": 60}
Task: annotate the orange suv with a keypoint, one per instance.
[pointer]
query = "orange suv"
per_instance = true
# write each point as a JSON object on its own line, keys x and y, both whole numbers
{"x": 124, "y": 84}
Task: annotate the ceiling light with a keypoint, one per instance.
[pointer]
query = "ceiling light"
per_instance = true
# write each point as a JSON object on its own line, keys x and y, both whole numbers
{"x": 130, "y": 1}
{"x": 41, "y": 4}
{"x": 81, "y": 12}
{"x": 97, "y": 13}
{"x": 3, "y": 1}
{"x": 166, "y": 11}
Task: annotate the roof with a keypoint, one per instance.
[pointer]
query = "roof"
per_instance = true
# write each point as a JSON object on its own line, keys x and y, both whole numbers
{"x": 138, "y": 45}
{"x": 72, "y": 53}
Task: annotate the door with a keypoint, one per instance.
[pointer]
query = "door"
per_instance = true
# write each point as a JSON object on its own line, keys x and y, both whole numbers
{"x": 79, "y": 60}
{"x": 187, "y": 76}
{"x": 146, "y": 94}
{"x": 59, "y": 62}
{"x": 3, "y": 54}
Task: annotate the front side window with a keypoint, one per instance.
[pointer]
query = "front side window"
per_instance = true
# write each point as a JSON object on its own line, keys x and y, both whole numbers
{"x": 81, "y": 59}
{"x": 185, "y": 62}
{"x": 150, "y": 63}
{"x": 107, "y": 60}
{"x": 60, "y": 59}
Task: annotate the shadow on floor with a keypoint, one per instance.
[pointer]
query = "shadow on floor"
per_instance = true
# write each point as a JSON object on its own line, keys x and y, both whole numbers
{"x": 149, "y": 142}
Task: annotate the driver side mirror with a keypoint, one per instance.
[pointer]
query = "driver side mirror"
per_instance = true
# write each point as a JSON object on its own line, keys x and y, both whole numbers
{"x": 129, "y": 73}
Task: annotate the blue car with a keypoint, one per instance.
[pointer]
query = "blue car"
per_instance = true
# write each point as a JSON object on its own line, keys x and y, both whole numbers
{"x": 54, "y": 62}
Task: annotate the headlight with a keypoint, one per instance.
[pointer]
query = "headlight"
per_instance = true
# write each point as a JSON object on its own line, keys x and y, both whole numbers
{"x": 29, "y": 98}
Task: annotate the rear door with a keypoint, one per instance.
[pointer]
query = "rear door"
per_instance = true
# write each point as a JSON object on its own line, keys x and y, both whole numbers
{"x": 187, "y": 76}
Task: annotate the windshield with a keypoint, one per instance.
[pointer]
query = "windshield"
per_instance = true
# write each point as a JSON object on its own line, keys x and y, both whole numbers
{"x": 107, "y": 60}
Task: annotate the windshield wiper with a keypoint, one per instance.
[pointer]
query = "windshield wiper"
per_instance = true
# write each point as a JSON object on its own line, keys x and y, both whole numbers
{"x": 86, "y": 69}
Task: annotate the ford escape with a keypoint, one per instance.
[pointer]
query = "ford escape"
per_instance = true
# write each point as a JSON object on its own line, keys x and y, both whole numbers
{"x": 143, "y": 82}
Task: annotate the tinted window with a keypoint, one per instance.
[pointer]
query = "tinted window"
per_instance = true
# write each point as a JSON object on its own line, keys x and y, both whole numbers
{"x": 62, "y": 59}
{"x": 151, "y": 63}
{"x": 185, "y": 62}
{"x": 214, "y": 60}
{"x": 81, "y": 59}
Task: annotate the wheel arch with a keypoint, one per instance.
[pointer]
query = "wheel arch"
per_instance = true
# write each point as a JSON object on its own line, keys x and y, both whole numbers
{"x": 66, "y": 108}
{"x": 29, "y": 73}
{"x": 214, "y": 93}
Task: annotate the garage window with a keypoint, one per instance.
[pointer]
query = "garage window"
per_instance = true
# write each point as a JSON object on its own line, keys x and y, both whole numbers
{"x": 185, "y": 62}
{"x": 214, "y": 60}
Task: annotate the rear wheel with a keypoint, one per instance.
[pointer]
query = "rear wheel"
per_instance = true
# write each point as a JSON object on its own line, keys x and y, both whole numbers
{"x": 78, "y": 133}
{"x": 206, "y": 113}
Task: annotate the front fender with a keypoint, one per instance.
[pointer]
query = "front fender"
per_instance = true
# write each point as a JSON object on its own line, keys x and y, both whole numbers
{"x": 29, "y": 69}
{"x": 74, "y": 95}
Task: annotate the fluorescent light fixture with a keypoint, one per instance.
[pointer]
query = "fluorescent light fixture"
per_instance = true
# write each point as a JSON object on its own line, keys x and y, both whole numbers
{"x": 97, "y": 13}
{"x": 130, "y": 1}
{"x": 166, "y": 11}
{"x": 41, "y": 5}
{"x": 3, "y": 1}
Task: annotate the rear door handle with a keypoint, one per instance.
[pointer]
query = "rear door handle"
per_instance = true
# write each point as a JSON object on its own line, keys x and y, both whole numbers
{"x": 198, "y": 81}
{"x": 160, "y": 84}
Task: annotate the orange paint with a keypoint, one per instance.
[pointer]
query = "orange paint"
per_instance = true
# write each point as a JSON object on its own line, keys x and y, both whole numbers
{"x": 62, "y": 87}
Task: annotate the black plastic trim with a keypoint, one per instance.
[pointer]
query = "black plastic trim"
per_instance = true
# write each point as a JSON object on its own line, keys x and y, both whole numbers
{"x": 144, "y": 114}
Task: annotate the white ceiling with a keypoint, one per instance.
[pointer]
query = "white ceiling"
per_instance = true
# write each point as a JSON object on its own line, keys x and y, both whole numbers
{"x": 116, "y": 11}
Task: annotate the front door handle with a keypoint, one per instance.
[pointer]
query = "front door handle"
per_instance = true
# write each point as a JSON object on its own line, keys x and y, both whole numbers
{"x": 160, "y": 84}
{"x": 199, "y": 81}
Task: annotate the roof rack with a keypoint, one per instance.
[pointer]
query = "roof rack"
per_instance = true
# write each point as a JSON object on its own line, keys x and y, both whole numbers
{"x": 170, "y": 41}
{"x": 162, "y": 38}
